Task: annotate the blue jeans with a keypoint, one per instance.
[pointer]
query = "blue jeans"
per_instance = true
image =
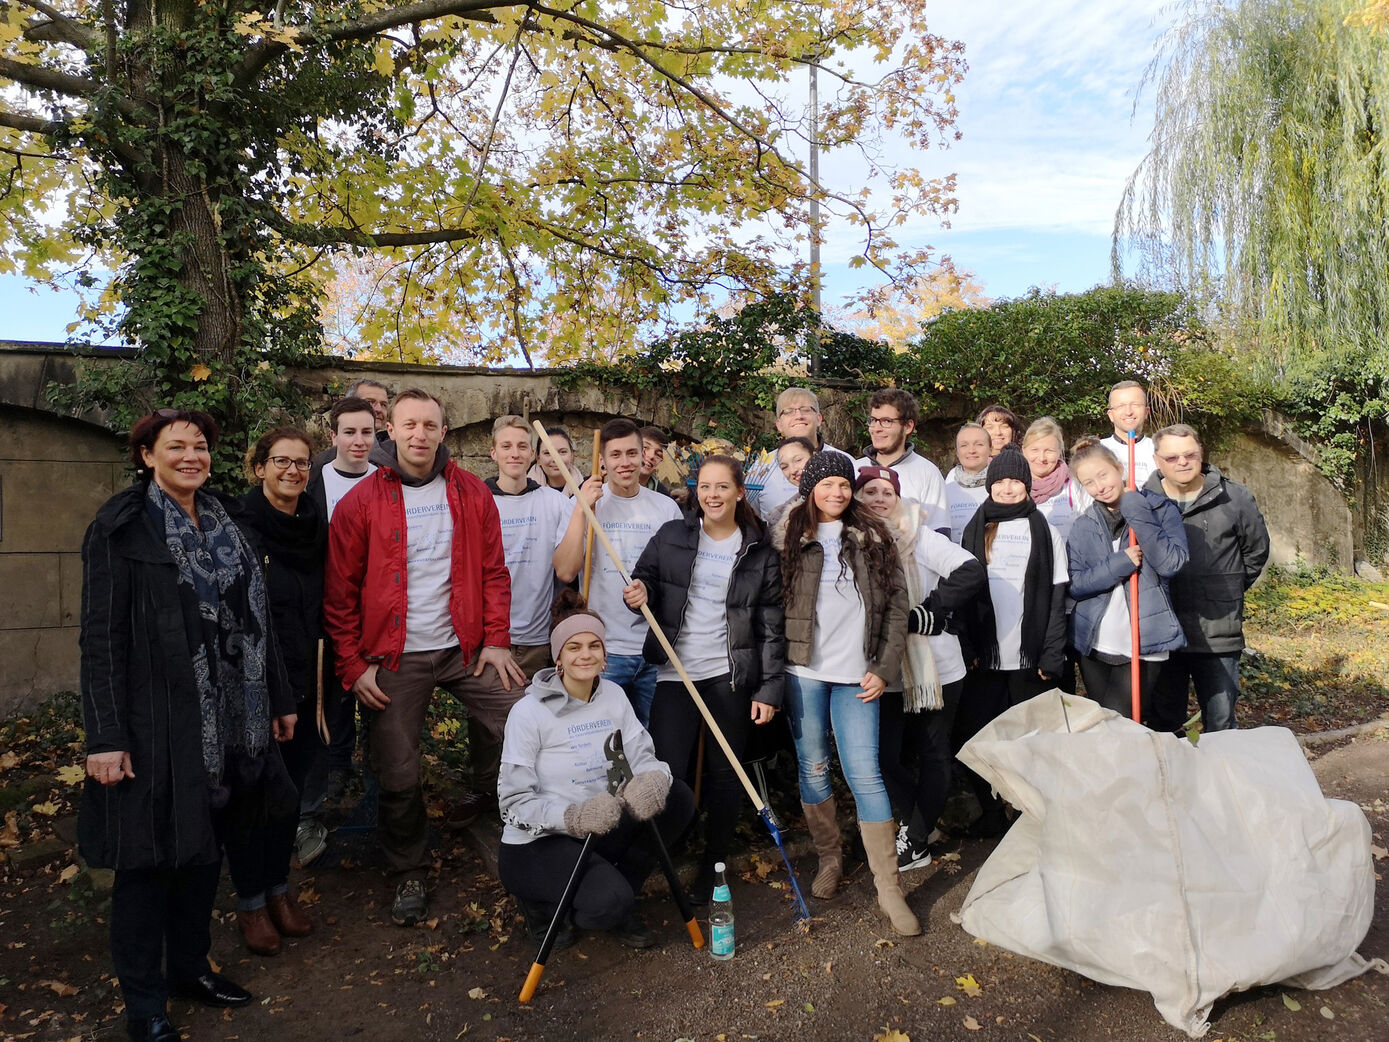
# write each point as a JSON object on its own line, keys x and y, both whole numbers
{"x": 637, "y": 677}
{"x": 1216, "y": 678}
{"x": 813, "y": 707}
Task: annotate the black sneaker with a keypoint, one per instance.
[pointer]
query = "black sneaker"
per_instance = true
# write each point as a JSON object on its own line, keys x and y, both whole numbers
{"x": 634, "y": 933}
{"x": 411, "y": 905}
{"x": 472, "y": 806}
{"x": 538, "y": 922}
{"x": 910, "y": 853}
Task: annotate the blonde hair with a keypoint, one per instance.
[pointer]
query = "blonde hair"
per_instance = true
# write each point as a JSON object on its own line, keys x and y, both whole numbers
{"x": 1089, "y": 449}
{"x": 507, "y": 422}
{"x": 1045, "y": 427}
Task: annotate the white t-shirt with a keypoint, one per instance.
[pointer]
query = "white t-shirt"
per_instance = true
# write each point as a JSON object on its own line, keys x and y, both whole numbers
{"x": 841, "y": 620}
{"x": 1007, "y": 569}
{"x": 533, "y": 524}
{"x": 936, "y": 557}
{"x": 703, "y": 643}
{"x": 629, "y": 524}
{"x": 1143, "y": 463}
{"x": 1115, "y": 636}
{"x": 428, "y": 567}
{"x": 1061, "y": 509}
{"x": 963, "y": 502}
{"x": 921, "y": 483}
{"x": 776, "y": 490}
{"x": 336, "y": 484}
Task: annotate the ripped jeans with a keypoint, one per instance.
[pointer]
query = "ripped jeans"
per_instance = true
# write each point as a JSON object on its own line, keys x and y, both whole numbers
{"x": 814, "y": 706}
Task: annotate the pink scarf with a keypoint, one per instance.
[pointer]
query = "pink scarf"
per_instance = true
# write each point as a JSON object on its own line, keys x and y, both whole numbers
{"x": 1044, "y": 488}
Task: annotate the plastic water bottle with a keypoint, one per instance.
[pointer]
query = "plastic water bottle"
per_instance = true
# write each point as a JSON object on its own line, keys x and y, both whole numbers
{"x": 721, "y": 917}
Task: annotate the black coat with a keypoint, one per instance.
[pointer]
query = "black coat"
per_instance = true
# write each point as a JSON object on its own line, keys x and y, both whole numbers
{"x": 756, "y": 629}
{"x": 292, "y": 551}
{"x": 139, "y": 696}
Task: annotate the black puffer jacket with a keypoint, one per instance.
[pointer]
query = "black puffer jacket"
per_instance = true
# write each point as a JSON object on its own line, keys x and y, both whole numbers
{"x": 1228, "y": 543}
{"x": 756, "y": 631}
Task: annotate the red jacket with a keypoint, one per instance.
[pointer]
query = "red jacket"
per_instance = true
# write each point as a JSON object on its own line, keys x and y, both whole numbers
{"x": 364, "y": 591}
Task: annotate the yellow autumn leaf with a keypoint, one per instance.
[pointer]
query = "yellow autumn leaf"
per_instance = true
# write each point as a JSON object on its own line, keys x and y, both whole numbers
{"x": 73, "y": 774}
{"x": 47, "y": 808}
{"x": 948, "y": 1000}
{"x": 969, "y": 985}
{"x": 971, "y": 1024}
{"x": 67, "y": 873}
{"x": 892, "y": 1035}
{"x": 61, "y": 988}
{"x": 477, "y": 993}
{"x": 200, "y": 372}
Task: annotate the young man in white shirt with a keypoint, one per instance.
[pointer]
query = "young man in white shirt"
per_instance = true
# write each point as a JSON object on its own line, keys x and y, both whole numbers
{"x": 537, "y": 537}
{"x": 892, "y": 416}
{"x": 797, "y": 416}
{"x": 417, "y": 596}
{"x": 353, "y": 433}
{"x": 630, "y": 516}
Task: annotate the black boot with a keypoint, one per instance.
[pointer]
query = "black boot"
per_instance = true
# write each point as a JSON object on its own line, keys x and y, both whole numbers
{"x": 538, "y": 921}
{"x": 155, "y": 1029}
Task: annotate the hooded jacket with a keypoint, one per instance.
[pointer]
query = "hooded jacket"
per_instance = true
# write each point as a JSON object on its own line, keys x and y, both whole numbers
{"x": 553, "y": 756}
{"x": 756, "y": 624}
{"x": 885, "y": 636}
{"x": 1228, "y": 544}
{"x": 1097, "y": 568}
{"x": 365, "y": 584}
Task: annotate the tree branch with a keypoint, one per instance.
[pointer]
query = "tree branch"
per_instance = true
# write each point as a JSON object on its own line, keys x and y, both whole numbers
{"x": 47, "y": 79}
{"x": 62, "y": 27}
{"x": 32, "y": 124}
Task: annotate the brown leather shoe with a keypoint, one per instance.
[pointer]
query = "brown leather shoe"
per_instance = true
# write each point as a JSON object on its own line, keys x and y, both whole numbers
{"x": 288, "y": 915}
{"x": 259, "y": 932}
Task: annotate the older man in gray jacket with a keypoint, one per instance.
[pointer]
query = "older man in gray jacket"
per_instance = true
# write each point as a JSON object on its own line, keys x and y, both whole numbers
{"x": 1228, "y": 541}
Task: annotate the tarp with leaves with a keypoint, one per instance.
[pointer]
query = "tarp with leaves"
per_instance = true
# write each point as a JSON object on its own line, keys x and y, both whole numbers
{"x": 1188, "y": 871}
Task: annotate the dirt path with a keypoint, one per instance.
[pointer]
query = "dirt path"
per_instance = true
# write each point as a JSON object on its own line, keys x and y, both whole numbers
{"x": 361, "y": 977}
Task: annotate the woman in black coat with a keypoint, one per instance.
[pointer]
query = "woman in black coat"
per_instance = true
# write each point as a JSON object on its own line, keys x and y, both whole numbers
{"x": 182, "y": 689}
{"x": 290, "y": 537}
{"x": 713, "y": 581}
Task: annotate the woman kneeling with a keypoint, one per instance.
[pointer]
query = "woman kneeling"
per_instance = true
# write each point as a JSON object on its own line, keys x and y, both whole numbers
{"x": 553, "y": 792}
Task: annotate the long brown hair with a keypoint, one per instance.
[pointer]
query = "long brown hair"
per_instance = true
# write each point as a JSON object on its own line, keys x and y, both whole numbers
{"x": 878, "y": 547}
{"x": 743, "y": 514}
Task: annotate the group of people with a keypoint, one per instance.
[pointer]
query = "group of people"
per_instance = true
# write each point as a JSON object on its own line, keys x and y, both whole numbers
{"x": 885, "y": 612}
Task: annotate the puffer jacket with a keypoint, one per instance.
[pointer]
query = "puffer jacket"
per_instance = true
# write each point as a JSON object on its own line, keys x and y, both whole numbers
{"x": 1228, "y": 544}
{"x": 1097, "y": 568}
{"x": 756, "y": 626}
{"x": 885, "y": 637}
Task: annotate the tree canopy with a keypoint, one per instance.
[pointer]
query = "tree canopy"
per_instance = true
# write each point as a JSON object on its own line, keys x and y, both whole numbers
{"x": 552, "y": 176}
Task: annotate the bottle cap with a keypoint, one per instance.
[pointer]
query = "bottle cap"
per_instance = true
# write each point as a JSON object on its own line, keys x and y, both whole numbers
{"x": 718, "y": 866}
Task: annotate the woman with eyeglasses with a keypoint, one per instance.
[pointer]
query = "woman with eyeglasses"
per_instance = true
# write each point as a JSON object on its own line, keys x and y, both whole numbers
{"x": 183, "y": 699}
{"x": 290, "y": 535}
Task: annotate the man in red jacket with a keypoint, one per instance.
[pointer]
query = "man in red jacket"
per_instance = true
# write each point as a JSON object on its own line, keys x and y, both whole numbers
{"x": 417, "y": 597}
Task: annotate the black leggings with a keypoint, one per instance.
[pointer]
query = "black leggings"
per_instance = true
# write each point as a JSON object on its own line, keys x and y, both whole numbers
{"x": 924, "y": 737}
{"x": 1110, "y": 685}
{"x": 987, "y": 693}
{"x": 675, "y": 727}
{"x": 536, "y": 872}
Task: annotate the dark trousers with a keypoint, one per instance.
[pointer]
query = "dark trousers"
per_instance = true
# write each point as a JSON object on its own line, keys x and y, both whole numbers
{"x": 393, "y": 743}
{"x": 536, "y": 872}
{"x": 1110, "y": 684}
{"x": 159, "y": 913}
{"x": 257, "y": 832}
{"x": 675, "y": 728}
{"x": 1216, "y": 678}
{"x": 987, "y": 693}
{"x": 914, "y": 751}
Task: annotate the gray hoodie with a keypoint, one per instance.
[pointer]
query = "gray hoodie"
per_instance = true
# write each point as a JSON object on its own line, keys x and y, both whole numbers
{"x": 552, "y": 755}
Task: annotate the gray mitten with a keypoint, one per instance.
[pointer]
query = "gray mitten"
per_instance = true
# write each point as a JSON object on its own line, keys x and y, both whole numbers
{"x": 645, "y": 795}
{"x": 596, "y": 816}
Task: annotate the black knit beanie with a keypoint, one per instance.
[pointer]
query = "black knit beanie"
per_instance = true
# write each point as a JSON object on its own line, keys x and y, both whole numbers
{"x": 1009, "y": 463}
{"x": 824, "y": 465}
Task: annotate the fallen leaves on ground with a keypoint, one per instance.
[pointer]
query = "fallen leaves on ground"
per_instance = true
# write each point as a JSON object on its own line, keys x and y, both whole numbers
{"x": 67, "y": 873}
{"x": 1380, "y": 853}
{"x": 477, "y": 993}
{"x": 60, "y": 988}
{"x": 47, "y": 808}
{"x": 892, "y": 1035}
{"x": 969, "y": 985}
{"x": 73, "y": 774}
{"x": 1291, "y": 1002}
{"x": 971, "y": 1024}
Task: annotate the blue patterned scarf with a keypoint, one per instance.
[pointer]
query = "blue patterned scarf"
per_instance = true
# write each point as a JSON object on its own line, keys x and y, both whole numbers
{"x": 226, "y": 623}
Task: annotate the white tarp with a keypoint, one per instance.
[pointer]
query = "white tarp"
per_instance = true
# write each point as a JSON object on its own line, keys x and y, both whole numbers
{"x": 1186, "y": 871}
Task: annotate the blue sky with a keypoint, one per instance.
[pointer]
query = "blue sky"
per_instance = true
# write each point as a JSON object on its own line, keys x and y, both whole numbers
{"x": 1049, "y": 141}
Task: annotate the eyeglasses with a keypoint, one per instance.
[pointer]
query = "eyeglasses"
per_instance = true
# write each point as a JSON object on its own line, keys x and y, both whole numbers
{"x": 883, "y": 421}
{"x": 799, "y": 410}
{"x": 284, "y": 463}
{"x": 1182, "y": 457}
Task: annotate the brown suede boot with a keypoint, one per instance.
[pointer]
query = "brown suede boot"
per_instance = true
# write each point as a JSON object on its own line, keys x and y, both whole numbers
{"x": 880, "y": 843}
{"x": 824, "y": 833}
{"x": 288, "y": 915}
{"x": 259, "y": 932}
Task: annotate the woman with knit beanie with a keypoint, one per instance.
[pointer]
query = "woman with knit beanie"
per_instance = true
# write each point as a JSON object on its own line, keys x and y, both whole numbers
{"x": 1018, "y": 632}
{"x": 553, "y": 791}
{"x": 846, "y": 627}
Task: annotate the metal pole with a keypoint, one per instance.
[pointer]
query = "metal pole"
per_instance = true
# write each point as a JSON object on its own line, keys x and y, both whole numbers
{"x": 815, "y": 215}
